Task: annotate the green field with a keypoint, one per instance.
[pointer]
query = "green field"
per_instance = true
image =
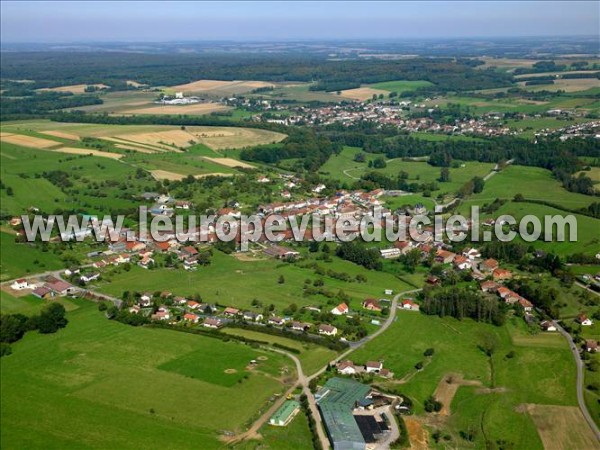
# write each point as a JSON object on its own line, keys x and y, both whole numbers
{"x": 231, "y": 282}
{"x": 97, "y": 384}
{"x": 312, "y": 357}
{"x": 29, "y": 305}
{"x": 400, "y": 86}
{"x": 343, "y": 168}
{"x": 538, "y": 373}
{"x": 20, "y": 259}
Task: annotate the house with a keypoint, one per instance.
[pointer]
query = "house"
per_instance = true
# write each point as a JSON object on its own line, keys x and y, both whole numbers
{"x": 42, "y": 292}
{"x": 489, "y": 286}
{"x": 146, "y": 299}
{"x": 591, "y": 345}
{"x": 432, "y": 280}
{"x": 150, "y": 196}
{"x": 279, "y": 252}
{"x": 263, "y": 179}
{"x": 180, "y": 301}
{"x": 88, "y": 278}
{"x": 134, "y": 309}
{"x": 188, "y": 252}
{"x": 19, "y": 284}
{"x": 526, "y": 304}
{"x": 444, "y": 256}
{"x": 275, "y": 320}
{"x": 461, "y": 262}
{"x": 472, "y": 253}
{"x": 489, "y": 265}
{"x": 213, "y": 322}
{"x": 372, "y": 305}
{"x": 410, "y": 305}
{"x": 146, "y": 262}
{"x": 548, "y": 325}
{"x": 60, "y": 287}
{"x": 191, "y": 317}
{"x": 373, "y": 366}
{"x": 182, "y": 205}
{"x": 584, "y": 321}
{"x": 193, "y": 305}
{"x": 231, "y": 312}
{"x": 300, "y": 326}
{"x": 161, "y": 315}
{"x": 501, "y": 274}
{"x": 340, "y": 309}
{"x": 346, "y": 367}
{"x": 386, "y": 373}
{"x": 252, "y": 316}
{"x": 327, "y": 330}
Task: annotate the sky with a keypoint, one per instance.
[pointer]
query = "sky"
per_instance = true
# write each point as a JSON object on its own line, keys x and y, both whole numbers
{"x": 154, "y": 21}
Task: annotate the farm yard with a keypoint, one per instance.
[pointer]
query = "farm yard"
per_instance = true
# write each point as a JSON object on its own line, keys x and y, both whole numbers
{"x": 103, "y": 371}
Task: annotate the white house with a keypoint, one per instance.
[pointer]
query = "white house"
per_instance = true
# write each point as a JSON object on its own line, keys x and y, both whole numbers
{"x": 340, "y": 310}
{"x": 548, "y": 326}
{"x": 327, "y": 330}
{"x": 346, "y": 368}
{"x": 584, "y": 320}
{"x": 19, "y": 284}
{"x": 373, "y": 366}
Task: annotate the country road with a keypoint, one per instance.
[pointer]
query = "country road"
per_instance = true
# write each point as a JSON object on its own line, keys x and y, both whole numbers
{"x": 580, "y": 381}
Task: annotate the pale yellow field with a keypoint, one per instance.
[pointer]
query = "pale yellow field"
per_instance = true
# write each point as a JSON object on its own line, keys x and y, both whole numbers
{"x": 60, "y": 134}
{"x": 172, "y": 176}
{"x": 569, "y": 85}
{"x": 164, "y": 139}
{"x": 197, "y": 108}
{"x": 229, "y": 162}
{"x": 219, "y": 138}
{"x": 135, "y": 83}
{"x": 219, "y": 87}
{"x": 134, "y": 145}
{"x": 87, "y": 151}
{"x": 74, "y": 88}
{"x": 543, "y": 74}
{"x": 28, "y": 141}
{"x": 562, "y": 427}
{"x": 135, "y": 149}
{"x": 362, "y": 93}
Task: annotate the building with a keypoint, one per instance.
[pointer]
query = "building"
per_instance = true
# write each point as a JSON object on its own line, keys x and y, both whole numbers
{"x": 548, "y": 325}
{"x": 591, "y": 345}
{"x": 284, "y": 415}
{"x": 584, "y": 320}
{"x": 336, "y": 400}
{"x": 373, "y": 366}
{"x": 19, "y": 284}
{"x": 340, "y": 309}
{"x": 327, "y": 330}
{"x": 372, "y": 305}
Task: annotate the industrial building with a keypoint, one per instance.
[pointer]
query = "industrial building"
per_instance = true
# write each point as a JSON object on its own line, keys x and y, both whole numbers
{"x": 336, "y": 400}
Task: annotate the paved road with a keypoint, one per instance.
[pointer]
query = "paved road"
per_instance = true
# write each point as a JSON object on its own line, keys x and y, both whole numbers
{"x": 580, "y": 381}
{"x": 495, "y": 171}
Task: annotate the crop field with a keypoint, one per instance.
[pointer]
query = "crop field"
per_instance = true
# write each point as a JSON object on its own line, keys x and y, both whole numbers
{"x": 253, "y": 280}
{"x": 220, "y": 138}
{"x": 567, "y": 85}
{"x": 312, "y": 357}
{"x": 74, "y": 88}
{"x": 362, "y": 93}
{"x": 229, "y": 162}
{"x": 561, "y": 427}
{"x": 172, "y": 176}
{"x": 298, "y": 92}
{"x": 100, "y": 383}
{"x": 60, "y": 134}
{"x": 218, "y": 87}
{"x": 198, "y": 109}
{"x": 535, "y": 374}
{"x": 28, "y": 141}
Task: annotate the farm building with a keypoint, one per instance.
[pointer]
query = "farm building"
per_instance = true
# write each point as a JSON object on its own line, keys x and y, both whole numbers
{"x": 336, "y": 400}
{"x": 284, "y": 415}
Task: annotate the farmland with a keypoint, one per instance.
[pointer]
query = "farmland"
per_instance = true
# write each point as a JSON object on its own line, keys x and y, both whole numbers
{"x": 218, "y": 87}
{"x": 102, "y": 370}
{"x": 536, "y": 374}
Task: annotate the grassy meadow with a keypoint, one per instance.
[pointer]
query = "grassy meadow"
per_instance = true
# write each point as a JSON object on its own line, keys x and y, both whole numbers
{"x": 538, "y": 372}
{"x": 98, "y": 384}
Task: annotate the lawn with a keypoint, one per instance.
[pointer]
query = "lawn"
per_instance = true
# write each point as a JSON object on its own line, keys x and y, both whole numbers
{"x": 312, "y": 357}
{"x": 537, "y": 373}
{"x": 29, "y": 305}
{"x": 97, "y": 384}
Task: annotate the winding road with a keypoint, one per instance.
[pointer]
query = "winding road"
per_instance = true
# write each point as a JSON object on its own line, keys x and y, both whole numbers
{"x": 580, "y": 381}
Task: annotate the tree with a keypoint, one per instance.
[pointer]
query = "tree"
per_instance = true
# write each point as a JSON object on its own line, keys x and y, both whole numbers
{"x": 444, "y": 175}
{"x": 12, "y": 327}
{"x": 281, "y": 279}
{"x": 478, "y": 185}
